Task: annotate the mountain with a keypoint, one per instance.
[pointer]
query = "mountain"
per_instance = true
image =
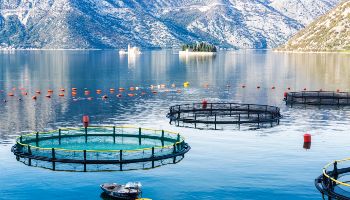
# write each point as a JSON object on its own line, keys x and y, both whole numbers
{"x": 154, "y": 23}
{"x": 330, "y": 32}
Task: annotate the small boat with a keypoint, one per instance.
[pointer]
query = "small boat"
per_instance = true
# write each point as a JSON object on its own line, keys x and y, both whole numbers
{"x": 130, "y": 191}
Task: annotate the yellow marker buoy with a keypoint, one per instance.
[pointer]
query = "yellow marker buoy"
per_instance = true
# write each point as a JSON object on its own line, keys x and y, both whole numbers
{"x": 186, "y": 84}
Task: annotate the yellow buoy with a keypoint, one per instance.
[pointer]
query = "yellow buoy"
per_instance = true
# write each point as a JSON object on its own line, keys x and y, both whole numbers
{"x": 186, "y": 84}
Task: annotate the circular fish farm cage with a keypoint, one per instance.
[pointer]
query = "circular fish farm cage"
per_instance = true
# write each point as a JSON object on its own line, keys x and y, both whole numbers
{"x": 100, "y": 148}
{"x": 318, "y": 98}
{"x": 334, "y": 183}
{"x": 212, "y": 115}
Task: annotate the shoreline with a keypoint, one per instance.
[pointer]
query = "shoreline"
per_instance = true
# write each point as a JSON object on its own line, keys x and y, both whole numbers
{"x": 197, "y": 53}
{"x": 312, "y": 52}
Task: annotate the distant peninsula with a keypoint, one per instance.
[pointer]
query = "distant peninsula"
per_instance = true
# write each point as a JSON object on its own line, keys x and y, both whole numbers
{"x": 329, "y": 33}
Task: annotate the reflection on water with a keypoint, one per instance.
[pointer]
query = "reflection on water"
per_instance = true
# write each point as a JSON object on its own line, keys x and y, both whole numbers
{"x": 91, "y": 70}
{"x": 254, "y": 163}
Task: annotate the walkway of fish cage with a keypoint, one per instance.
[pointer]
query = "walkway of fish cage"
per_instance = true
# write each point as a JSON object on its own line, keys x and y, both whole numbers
{"x": 335, "y": 183}
{"x": 86, "y": 149}
{"x": 328, "y": 98}
{"x": 212, "y": 115}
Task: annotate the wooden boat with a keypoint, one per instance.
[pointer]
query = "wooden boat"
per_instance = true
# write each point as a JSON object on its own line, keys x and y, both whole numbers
{"x": 129, "y": 191}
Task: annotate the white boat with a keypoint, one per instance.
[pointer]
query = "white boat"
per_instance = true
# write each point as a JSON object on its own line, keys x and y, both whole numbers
{"x": 131, "y": 51}
{"x": 130, "y": 191}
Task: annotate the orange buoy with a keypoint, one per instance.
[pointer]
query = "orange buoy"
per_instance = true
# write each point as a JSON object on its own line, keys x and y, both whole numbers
{"x": 111, "y": 90}
{"x": 119, "y": 95}
{"x": 86, "y": 121}
{"x": 50, "y": 91}
{"x": 74, "y": 89}
{"x": 11, "y": 94}
{"x": 131, "y": 95}
{"x": 98, "y": 91}
{"x": 132, "y": 88}
{"x": 61, "y": 95}
{"x": 74, "y": 93}
{"x": 204, "y": 104}
{"x": 121, "y": 89}
{"x": 34, "y": 97}
{"x": 162, "y": 85}
{"x": 307, "y": 138}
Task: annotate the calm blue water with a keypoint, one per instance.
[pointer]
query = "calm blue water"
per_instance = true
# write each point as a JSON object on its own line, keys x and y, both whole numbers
{"x": 224, "y": 164}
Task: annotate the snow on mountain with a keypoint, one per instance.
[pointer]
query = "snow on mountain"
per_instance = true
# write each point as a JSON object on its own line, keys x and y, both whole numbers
{"x": 154, "y": 23}
{"x": 330, "y": 32}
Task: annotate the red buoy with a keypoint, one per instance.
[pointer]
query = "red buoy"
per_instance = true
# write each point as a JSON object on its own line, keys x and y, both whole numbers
{"x": 307, "y": 138}
{"x": 338, "y": 90}
{"x": 288, "y": 88}
{"x": 258, "y": 87}
{"x": 285, "y": 95}
{"x": 243, "y": 86}
{"x": 204, "y": 104}
{"x": 34, "y": 97}
{"x": 273, "y": 87}
{"x": 304, "y": 89}
{"x": 86, "y": 121}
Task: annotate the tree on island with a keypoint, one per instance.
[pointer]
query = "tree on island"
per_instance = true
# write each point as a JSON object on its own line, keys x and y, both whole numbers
{"x": 199, "y": 47}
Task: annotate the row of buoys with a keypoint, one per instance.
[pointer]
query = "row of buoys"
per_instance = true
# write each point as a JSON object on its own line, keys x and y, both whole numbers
{"x": 86, "y": 92}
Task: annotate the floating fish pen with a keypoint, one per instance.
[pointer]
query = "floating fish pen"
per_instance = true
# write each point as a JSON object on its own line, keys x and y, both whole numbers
{"x": 335, "y": 183}
{"x": 212, "y": 115}
{"x": 318, "y": 98}
{"x": 100, "y": 148}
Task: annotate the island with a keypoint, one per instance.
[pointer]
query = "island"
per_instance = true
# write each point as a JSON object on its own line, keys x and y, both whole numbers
{"x": 198, "y": 48}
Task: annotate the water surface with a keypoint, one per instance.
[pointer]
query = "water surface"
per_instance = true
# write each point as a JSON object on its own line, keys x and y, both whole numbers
{"x": 225, "y": 164}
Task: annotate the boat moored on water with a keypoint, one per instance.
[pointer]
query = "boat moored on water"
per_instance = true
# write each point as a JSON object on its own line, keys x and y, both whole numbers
{"x": 130, "y": 191}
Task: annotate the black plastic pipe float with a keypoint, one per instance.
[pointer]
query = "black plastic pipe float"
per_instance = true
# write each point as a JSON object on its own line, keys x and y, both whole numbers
{"x": 327, "y": 98}
{"x": 170, "y": 146}
{"x": 192, "y": 115}
{"x": 329, "y": 184}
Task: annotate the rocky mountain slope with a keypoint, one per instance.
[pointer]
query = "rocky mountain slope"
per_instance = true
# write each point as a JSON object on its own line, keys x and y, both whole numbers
{"x": 330, "y": 32}
{"x": 154, "y": 23}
